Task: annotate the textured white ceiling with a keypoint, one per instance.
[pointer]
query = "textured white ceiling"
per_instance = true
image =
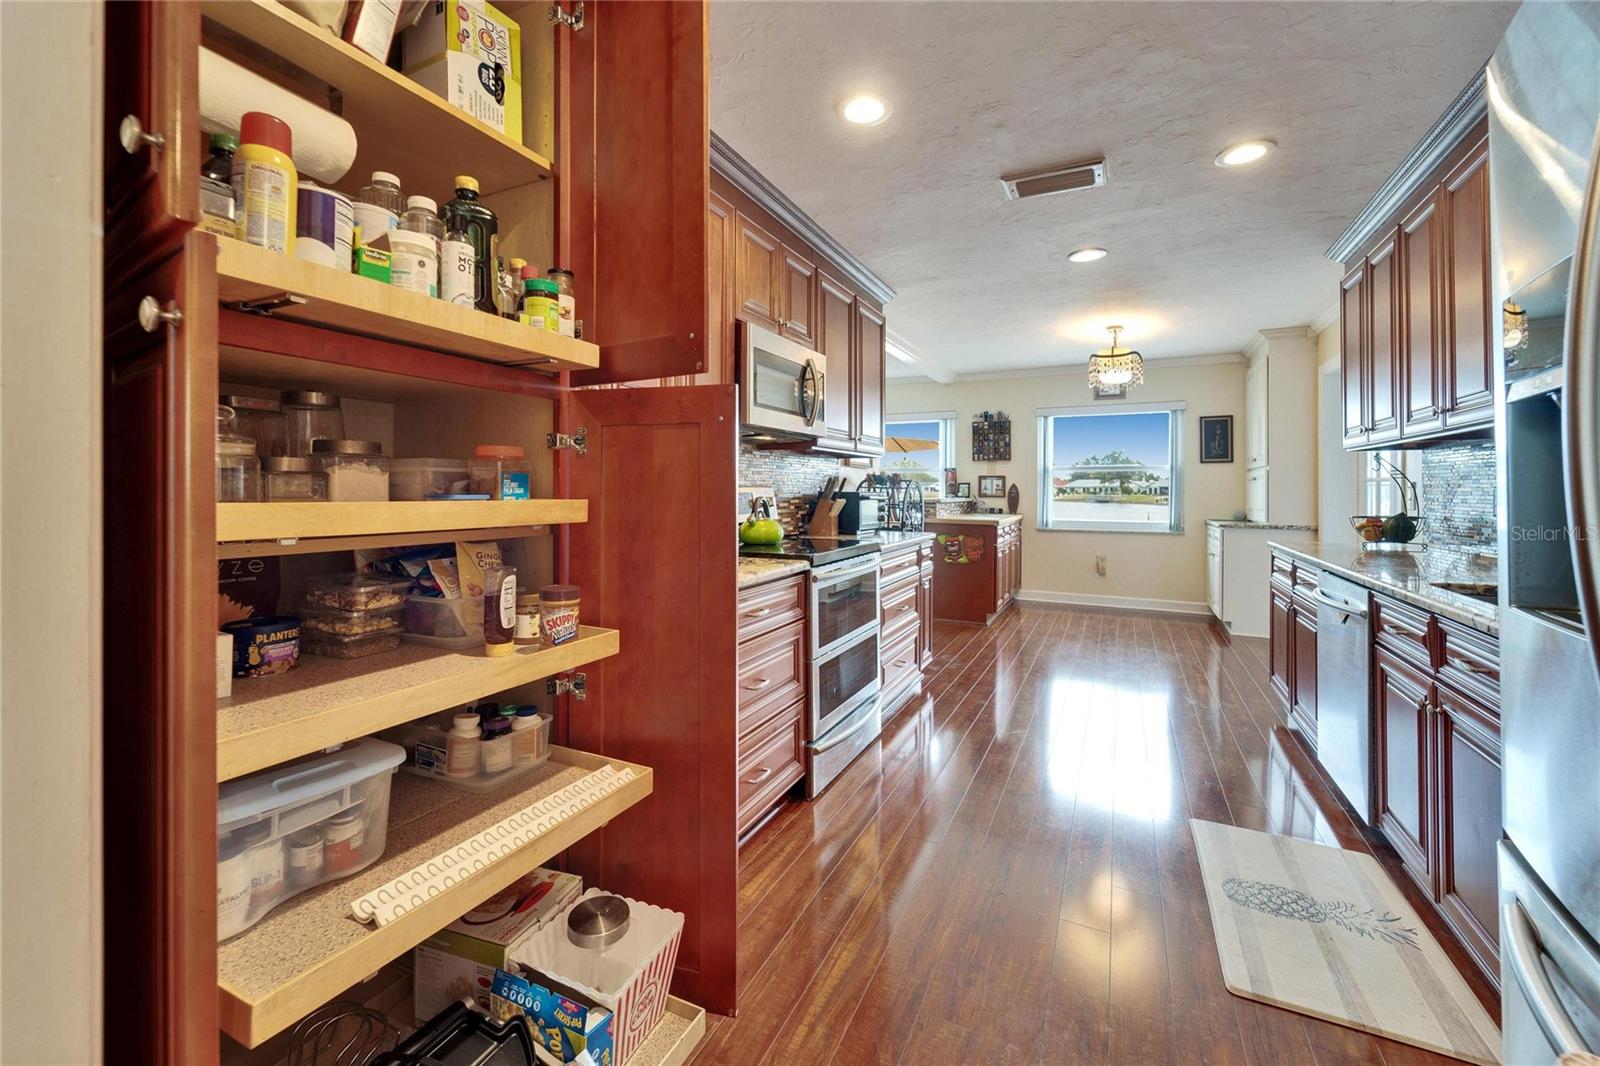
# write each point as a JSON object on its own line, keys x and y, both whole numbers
{"x": 1200, "y": 257}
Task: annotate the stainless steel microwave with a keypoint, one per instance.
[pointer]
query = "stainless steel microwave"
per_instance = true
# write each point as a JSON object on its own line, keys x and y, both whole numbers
{"x": 780, "y": 384}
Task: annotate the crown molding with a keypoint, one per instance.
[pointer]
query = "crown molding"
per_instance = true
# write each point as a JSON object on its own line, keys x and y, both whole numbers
{"x": 1326, "y": 319}
{"x": 908, "y": 354}
{"x": 750, "y": 181}
{"x": 1463, "y": 113}
{"x": 1219, "y": 359}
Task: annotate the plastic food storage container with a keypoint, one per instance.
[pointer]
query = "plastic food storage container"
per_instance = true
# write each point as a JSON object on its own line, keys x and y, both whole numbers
{"x": 501, "y": 470}
{"x": 311, "y": 416}
{"x": 351, "y": 646}
{"x": 419, "y": 479}
{"x": 238, "y": 466}
{"x": 333, "y": 622}
{"x": 262, "y": 421}
{"x": 443, "y": 623}
{"x": 357, "y": 470}
{"x": 427, "y": 754}
{"x": 292, "y": 477}
{"x": 296, "y": 826}
{"x": 355, "y": 592}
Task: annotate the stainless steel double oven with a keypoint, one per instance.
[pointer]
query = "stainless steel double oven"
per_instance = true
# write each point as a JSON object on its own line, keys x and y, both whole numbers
{"x": 842, "y": 714}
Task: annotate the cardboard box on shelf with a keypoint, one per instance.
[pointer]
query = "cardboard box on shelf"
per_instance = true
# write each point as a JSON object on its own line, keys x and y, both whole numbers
{"x": 460, "y": 960}
{"x": 471, "y": 54}
{"x": 566, "y": 1023}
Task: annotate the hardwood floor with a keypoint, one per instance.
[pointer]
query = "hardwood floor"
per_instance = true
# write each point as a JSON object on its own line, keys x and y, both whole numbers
{"x": 1008, "y": 876}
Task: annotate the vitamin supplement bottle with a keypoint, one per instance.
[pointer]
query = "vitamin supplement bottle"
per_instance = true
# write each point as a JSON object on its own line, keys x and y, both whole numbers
{"x": 265, "y": 183}
{"x": 378, "y": 206}
{"x": 467, "y": 214}
{"x": 461, "y": 745}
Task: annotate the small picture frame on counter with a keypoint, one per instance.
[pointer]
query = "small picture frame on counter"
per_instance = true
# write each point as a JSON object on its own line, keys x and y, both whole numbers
{"x": 963, "y": 490}
{"x": 1216, "y": 438}
{"x": 992, "y": 486}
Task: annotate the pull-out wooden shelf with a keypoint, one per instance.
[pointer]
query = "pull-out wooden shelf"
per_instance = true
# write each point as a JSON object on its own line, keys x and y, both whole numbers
{"x": 675, "y": 1036}
{"x": 322, "y": 702}
{"x": 339, "y": 300}
{"x": 310, "y": 949}
{"x": 424, "y": 139}
{"x": 245, "y": 529}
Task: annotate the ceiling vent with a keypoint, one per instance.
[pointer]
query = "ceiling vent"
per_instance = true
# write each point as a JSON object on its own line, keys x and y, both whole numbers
{"x": 1057, "y": 179}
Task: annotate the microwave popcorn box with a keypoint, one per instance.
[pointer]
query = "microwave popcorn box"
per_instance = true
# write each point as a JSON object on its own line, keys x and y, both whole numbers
{"x": 459, "y": 961}
{"x": 565, "y": 1023}
{"x": 469, "y": 53}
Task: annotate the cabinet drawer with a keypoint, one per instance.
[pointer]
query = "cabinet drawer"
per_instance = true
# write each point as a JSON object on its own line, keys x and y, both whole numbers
{"x": 927, "y": 554}
{"x": 773, "y": 762}
{"x": 1402, "y": 629}
{"x": 1470, "y": 661}
{"x": 1306, "y": 578}
{"x": 899, "y": 610}
{"x": 1284, "y": 566}
{"x": 772, "y": 673}
{"x": 899, "y": 661}
{"x": 767, "y": 607}
{"x": 893, "y": 569}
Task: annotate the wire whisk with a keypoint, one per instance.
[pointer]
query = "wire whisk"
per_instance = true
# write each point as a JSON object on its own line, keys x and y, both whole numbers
{"x": 342, "y": 1033}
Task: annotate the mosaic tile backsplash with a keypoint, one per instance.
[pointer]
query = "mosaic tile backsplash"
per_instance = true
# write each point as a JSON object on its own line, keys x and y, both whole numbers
{"x": 789, "y": 473}
{"x": 1457, "y": 489}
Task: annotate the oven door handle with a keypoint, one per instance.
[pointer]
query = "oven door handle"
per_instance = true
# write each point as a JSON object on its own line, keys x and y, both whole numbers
{"x": 1522, "y": 956}
{"x": 847, "y": 571}
{"x": 863, "y": 714}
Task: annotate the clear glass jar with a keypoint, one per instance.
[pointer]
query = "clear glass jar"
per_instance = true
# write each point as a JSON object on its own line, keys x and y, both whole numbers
{"x": 261, "y": 420}
{"x": 566, "y": 303}
{"x": 292, "y": 477}
{"x": 238, "y": 468}
{"x": 357, "y": 470}
{"x": 311, "y": 416}
{"x": 501, "y": 471}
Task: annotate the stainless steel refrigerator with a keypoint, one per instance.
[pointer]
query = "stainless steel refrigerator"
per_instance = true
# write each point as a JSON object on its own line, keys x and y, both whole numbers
{"x": 1544, "y": 108}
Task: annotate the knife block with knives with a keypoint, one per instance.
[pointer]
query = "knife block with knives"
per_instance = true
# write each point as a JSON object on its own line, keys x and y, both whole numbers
{"x": 825, "y": 515}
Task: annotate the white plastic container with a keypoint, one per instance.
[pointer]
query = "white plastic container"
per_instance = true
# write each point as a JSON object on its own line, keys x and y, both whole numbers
{"x": 417, "y": 479}
{"x": 442, "y": 623}
{"x": 343, "y": 796}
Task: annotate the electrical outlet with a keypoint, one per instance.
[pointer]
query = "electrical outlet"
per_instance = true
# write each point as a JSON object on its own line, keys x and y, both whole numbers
{"x": 1100, "y": 565}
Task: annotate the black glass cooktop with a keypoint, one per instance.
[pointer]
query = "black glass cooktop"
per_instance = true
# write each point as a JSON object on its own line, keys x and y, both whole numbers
{"x": 815, "y": 550}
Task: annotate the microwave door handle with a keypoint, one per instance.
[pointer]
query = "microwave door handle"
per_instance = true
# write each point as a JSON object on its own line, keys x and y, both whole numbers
{"x": 1581, "y": 409}
{"x": 1522, "y": 958}
{"x": 810, "y": 398}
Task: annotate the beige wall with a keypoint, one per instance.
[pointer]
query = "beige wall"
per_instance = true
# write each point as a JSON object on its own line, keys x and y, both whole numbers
{"x": 50, "y": 557}
{"x": 1147, "y": 569}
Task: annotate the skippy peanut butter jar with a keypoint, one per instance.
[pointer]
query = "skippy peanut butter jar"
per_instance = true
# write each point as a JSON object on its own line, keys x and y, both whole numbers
{"x": 558, "y": 613}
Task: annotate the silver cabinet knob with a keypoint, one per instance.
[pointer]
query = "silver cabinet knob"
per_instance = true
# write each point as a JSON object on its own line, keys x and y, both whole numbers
{"x": 152, "y": 316}
{"x": 133, "y": 136}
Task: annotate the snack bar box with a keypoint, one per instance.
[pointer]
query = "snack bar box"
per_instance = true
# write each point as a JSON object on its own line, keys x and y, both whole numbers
{"x": 469, "y": 53}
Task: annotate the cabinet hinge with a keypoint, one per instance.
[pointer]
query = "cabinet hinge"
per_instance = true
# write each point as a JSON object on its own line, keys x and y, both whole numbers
{"x": 572, "y": 21}
{"x": 578, "y": 442}
{"x": 265, "y": 305}
{"x": 577, "y": 685}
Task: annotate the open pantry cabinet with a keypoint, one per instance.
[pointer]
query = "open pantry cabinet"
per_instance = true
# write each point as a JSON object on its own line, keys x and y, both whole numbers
{"x": 616, "y": 142}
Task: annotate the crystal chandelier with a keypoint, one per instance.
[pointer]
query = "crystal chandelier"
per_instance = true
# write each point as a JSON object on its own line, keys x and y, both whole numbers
{"x": 1514, "y": 327}
{"x": 1115, "y": 368}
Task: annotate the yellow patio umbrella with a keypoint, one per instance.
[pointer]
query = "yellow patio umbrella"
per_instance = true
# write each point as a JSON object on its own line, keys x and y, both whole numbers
{"x": 909, "y": 444}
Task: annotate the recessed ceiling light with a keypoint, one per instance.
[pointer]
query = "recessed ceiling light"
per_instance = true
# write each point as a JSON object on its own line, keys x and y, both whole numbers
{"x": 864, "y": 110}
{"x": 1086, "y": 255}
{"x": 1244, "y": 153}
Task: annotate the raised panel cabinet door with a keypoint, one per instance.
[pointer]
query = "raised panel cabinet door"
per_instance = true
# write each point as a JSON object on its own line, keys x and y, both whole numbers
{"x": 719, "y": 294}
{"x": 925, "y": 617}
{"x": 757, "y": 290}
{"x": 634, "y": 137}
{"x": 1255, "y": 414}
{"x": 1469, "y": 354}
{"x": 1305, "y": 671}
{"x": 1420, "y": 300}
{"x": 1353, "y": 296}
{"x": 1468, "y": 752}
{"x": 1381, "y": 392}
{"x": 668, "y": 453}
{"x": 152, "y": 181}
{"x": 1280, "y": 634}
{"x": 1404, "y": 701}
{"x": 869, "y": 369}
{"x": 836, "y": 339}
{"x": 799, "y": 278}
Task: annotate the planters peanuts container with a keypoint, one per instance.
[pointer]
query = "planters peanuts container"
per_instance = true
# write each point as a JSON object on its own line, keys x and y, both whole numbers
{"x": 324, "y": 221}
{"x": 264, "y": 646}
{"x": 265, "y": 183}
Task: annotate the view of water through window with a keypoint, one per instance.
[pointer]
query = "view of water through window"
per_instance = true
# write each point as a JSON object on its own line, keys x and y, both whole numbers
{"x": 1110, "y": 470}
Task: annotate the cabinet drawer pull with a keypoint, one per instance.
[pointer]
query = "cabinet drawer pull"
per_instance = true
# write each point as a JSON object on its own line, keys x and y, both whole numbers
{"x": 757, "y": 685}
{"x": 133, "y": 136}
{"x": 904, "y": 607}
{"x": 759, "y": 612}
{"x": 760, "y": 776}
{"x": 901, "y": 662}
{"x": 1475, "y": 668}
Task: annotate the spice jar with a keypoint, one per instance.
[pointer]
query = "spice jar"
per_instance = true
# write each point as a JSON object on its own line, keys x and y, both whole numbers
{"x": 566, "y": 304}
{"x": 357, "y": 470}
{"x": 527, "y": 618}
{"x": 292, "y": 477}
{"x": 500, "y": 471}
{"x": 343, "y": 838}
{"x": 311, "y": 416}
{"x": 558, "y": 613}
{"x": 262, "y": 421}
{"x": 238, "y": 468}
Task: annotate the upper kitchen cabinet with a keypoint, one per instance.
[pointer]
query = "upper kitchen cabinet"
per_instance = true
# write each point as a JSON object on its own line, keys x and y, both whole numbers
{"x": 757, "y": 283}
{"x": 836, "y": 340}
{"x": 871, "y": 353}
{"x": 1280, "y": 427}
{"x": 1417, "y": 336}
{"x": 798, "y": 280}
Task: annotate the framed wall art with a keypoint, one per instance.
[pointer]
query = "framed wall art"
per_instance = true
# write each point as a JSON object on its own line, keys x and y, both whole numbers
{"x": 1216, "y": 438}
{"x": 991, "y": 485}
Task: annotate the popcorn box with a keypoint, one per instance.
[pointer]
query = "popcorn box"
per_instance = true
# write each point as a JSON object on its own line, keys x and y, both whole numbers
{"x": 469, "y": 53}
{"x": 565, "y": 1023}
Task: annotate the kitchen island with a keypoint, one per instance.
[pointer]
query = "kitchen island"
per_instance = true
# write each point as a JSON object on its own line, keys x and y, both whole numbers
{"x": 977, "y": 561}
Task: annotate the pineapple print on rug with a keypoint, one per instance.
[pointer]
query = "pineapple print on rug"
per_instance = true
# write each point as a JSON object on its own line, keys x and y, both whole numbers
{"x": 1323, "y": 931}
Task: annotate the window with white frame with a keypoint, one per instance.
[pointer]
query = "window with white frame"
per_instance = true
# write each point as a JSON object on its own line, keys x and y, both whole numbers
{"x": 1379, "y": 490}
{"x": 1115, "y": 470}
{"x": 919, "y": 447}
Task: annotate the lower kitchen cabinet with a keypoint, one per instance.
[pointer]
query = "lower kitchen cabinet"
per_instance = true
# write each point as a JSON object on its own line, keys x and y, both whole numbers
{"x": 1403, "y": 712}
{"x": 925, "y": 605}
{"x": 1281, "y": 637}
{"x": 978, "y": 561}
{"x": 1467, "y": 750}
{"x": 1303, "y": 701}
{"x": 772, "y": 692}
{"x": 905, "y": 596}
{"x": 1292, "y": 635}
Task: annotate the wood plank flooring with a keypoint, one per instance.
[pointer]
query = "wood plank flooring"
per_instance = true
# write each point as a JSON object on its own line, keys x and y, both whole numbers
{"x": 1008, "y": 875}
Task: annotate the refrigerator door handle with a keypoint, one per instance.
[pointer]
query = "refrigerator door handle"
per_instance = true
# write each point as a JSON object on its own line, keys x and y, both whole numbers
{"x": 1522, "y": 952}
{"x": 1582, "y": 409}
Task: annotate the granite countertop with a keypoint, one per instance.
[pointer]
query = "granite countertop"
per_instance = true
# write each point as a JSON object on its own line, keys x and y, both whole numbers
{"x": 976, "y": 519}
{"x": 1244, "y": 523}
{"x": 1408, "y": 576}
{"x": 754, "y": 572}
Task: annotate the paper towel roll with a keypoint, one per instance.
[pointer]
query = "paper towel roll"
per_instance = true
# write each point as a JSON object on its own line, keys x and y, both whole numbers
{"x": 324, "y": 143}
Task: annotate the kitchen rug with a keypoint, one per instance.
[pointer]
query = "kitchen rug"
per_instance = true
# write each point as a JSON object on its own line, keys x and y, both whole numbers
{"x": 1323, "y": 931}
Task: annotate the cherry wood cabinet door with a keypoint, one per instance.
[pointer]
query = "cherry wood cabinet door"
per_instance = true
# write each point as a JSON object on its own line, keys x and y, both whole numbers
{"x": 869, "y": 369}
{"x": 668, "y": 453}
{"x": 160, "y": 783}
{"x": 758, "y": 281}
{"x": 1280, "y": 633}
{"x": 836, "y": 341}
{"x": 1420, "y": 299}
{"x": 1304, "y": 647}
{"x": 635, "y": 151}
{"x": 1467, "y": 749}
{"x": 1353, "y": 297}
{"x": 719, "y": 294}
{"x": 799, "y": 284}
{"x": 925, "y": 615}
{"x": 1404, "y": 699}
{"x": 1469, "y": 381}
{"x": 1383, "y": 332}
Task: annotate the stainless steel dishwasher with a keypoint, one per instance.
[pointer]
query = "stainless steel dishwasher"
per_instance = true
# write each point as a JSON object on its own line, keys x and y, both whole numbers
{"x": 1344, "y": 696}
